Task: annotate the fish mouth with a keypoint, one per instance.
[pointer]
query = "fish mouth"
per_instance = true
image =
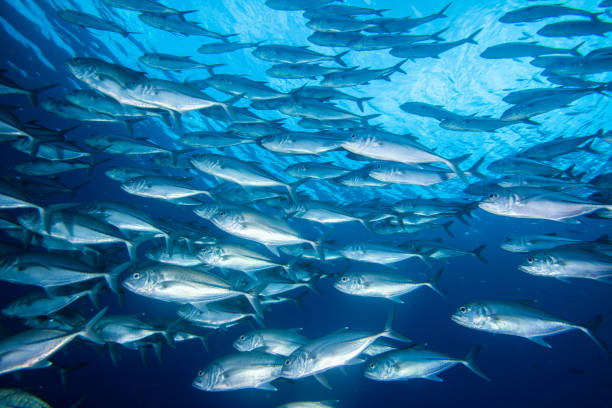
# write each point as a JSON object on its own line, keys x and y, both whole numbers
{"x": 457, "y": 319}
{"x": 526, "y": 269}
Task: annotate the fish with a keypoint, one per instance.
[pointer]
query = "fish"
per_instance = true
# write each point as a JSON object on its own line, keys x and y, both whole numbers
{"x": 32, "y": 349}
{"x": 240, "y": 86}
{"x": 568, "y": 262}
{"x": 401, "y": 173}
{"x": 354, "y": 77}
{"x": 325, "y": 93}
{"x": 40, "y": 304}
{"x": 299, "y": 71}
{"x": 223, "y": 47}
{"x": 432, "y": 50}
{"x": 541, "y": 11}
{"x": 389, "y": 147}
{"x": 525, "y": 49}
{"x": 310, "y": 404}
{"x": 294, "y": 55}
{"x": 126, "y": 330}
{"x": 169, "y": 62}
{"x": 256, "y": 226}
{"x": 162, "y": 187}
{"x": 321, "y": 171}
{"x": 175, "y": 24}
{"x": 332, "y": 39}
{"x": 302, "y": 142}
{"x": 526, "y": 202}
{"x": 293, "y": 5}
{"x": 519, "y": 319}
{"x": 531, "y": 243}
{"x": 417, "y": 362}
{"x": 384, "y": 41}
{"x": 170, "y": 283}
{"x": 238, "y": 257}
{"x": 340, "y": 10}
{"x": 337, "y": 24}
{"x": 246, "y": 174}
{"x": 404, "y": 24}
{"x": 145, "y": 6}
{"x": 575, "y": 28}
{"x": 16, "y": 398}
{"x": 334, "y": 350}
{"x": 377, "y": 253}
{"x": 271, "y": 341}
{"x": 86, "y": 20}
{"x": 384, "y": 284}
{"x": 216, "y": 315}
{"x": 251, "y": 369}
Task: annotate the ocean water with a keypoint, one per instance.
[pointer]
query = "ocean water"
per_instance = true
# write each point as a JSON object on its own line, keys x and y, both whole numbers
{"x": 36, "y": 46}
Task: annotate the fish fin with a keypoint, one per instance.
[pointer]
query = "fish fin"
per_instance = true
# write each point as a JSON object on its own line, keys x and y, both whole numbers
{"x": 170, "y": 331}
{"x": 433, "y": 377}
{"x": 390, "y": 333}
{"x": 252, "y": 294}
{"x": 396, "y": 299}
{"x": 589, "y": 329}
{"x": 540, "y": 341}
{"x": 574, "y": 51}
{"x": 323, "y": 381}
{"x": 471, "y": 39}
{"x": 259, "y": 321}
{"x": 157, "y": 348}
{"x": 360, "y": 101}
{"x": 143, "y": 355}
{"x": 112, "y": 277}
{"x": 477, "y": 253}
{"x": 338, "y": 58}
{"x": 94, "y": 294}
{"x": 291, "y": 187}
{"x": 318, "y": 244}
{"x": 446, "y": 226}
{"x": 113, "y": 352}
{"x": 433, "y": 283}
{"x": 33, "y": 93}
{"x": 266, "y": 387}
{"x": 88, "y": 331}
{"x": 274, "y": 250}
{"x": 474, "y": 169}
{"x": 470, "y": 362}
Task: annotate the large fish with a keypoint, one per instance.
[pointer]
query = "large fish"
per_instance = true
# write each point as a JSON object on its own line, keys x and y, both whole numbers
{"x": 569, "y": 262}
{"x": 294, "y": 55}
{"x": 86, "y": 20}
{"x": 519, "y": 319}
{"x": 337, "y": 349}
{"x": 252, "y": 369}
{"x": 278, "y": 342}
{"x": 33, "y": 348}
{"x": 417, "y": 362}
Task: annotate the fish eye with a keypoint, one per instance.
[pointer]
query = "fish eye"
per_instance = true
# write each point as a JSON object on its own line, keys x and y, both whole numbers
{"x": 492, "y": 195}
{"x": 344, "y": 279}
{"x": 530, "y": 259}
{"x": 136, "y": 275}
{"x": 243, "y": 337}
{"x": 222, "y": 213}
{"x": 508, "y": 239}
{"x": 353, "y": 135}
{"x": 379, "y": 166}
{"x": 372, "y": 365}
{"x": 287, "y": 362}
{"x": 463, "y": 309}
{"x": 201, "y": 373}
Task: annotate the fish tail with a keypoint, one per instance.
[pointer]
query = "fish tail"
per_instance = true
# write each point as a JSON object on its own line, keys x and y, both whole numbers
{"x": 474, "y": 169}
{"x": 589, "y": 329}
{"x": 392, "y": 334}
{"x": 433, "y": 283}
{"x": 318, "y": 244}
{"x": 574, "y": 51}
{"x": 224, "y": 37}
{"x": 471, "y": 39}
{"x": 252, "y": 296}
{"x": 291, "y": 187}
{"x": 360, "y": 101}
{"x": 446, "y": 227}
{"x": 470, "y": 362}
{"x": 478, "y": 253}
{"x": 436, "y": 36}
{"x": 170, "y": 332}
{"x": 157, "y": 348}
{"x": 94, "y": 293}
{"x": 210, "y": 68}
{"x": 440, "y": 14}
{"x": 338, "y": 58}
{"x": 455, "y": 168}
{"x": 88, "y": 331}
{"x": 33, "y": 93}
{"x": 112, "y": 277}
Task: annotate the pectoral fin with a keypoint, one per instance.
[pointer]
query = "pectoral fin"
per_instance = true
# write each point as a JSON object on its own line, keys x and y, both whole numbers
{"x": 540, "y": 341}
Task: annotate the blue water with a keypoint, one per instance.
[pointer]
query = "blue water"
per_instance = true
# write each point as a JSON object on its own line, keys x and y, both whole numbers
{"x": 35, "y": 46}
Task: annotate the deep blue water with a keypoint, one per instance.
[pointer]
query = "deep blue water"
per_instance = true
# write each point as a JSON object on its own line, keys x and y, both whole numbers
{"x": 36, "y": 44}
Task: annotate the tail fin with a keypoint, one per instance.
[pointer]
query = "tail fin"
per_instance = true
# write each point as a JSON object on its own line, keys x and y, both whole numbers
{"x": 338, "y": 58}
{"x": 446, "y": 227}
{"x": 318, "y": 244}
{"x": 364, "y": 119}
{"x": 224, "y": 37}
{"x": 210, "y": 68}
{"x": 470, "y": 362}
{"x": 360, "y": 101}
{"x": 182, "y": 13}
{"x": 252, "y": 296}
{"x": 454, "y": 166}
{"x": 589, "y": 329}
{"x": 33, "y": 93}
{"x": 169, "y": 332}
{"x": 88, "y": 331}
{"x": 440, "y": 14}
{"x": 574, "y": 51}
{"x": 436, "y": 36}
{"x": 474, "y": 169}
{"x": 398, "y": 67}
{"x": 433, "y": 283}
{"x": 477, "y": 253}
{"x": 113, "y": 275}
{"x": 291, "y": 187}
{"x": 471, "y": 39}
{"x": 94, "y": 293}
{"x": 388, "y": 331}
